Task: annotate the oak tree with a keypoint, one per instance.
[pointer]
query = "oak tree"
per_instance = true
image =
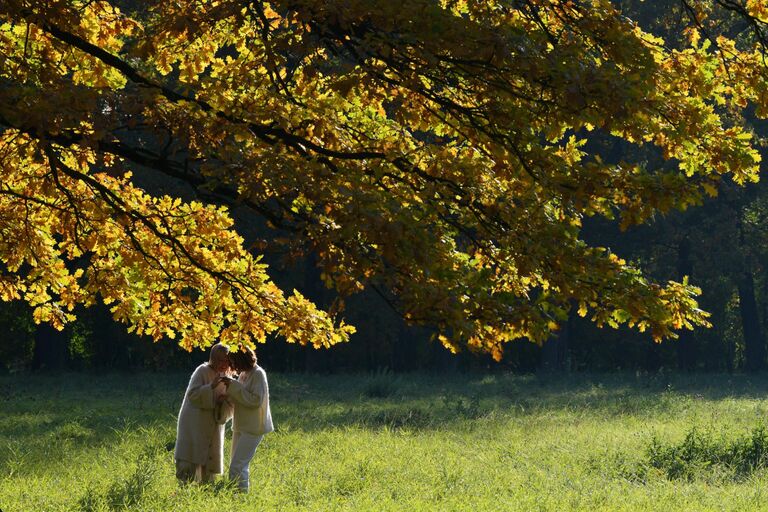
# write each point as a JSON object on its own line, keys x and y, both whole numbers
{"x": 433, "y": 150}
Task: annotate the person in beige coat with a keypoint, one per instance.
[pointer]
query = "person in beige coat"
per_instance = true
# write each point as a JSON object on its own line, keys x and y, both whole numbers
{"x": 199, "y": 449}
{"x": 249, "y": 395}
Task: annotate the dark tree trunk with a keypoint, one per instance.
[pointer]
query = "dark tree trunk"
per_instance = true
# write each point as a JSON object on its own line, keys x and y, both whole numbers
{"x": 442, "y": 360}
{"x": 652, "y": 362}
{"x": 50, "y": 352}
{"x": 554, "y": 353}
{"x": 315, "y": 361}
{"x": 402, "y": 357}
{"x": 754, "y": 344}
{"x": 686, "y": 343}
{"x": 112, "y": 345}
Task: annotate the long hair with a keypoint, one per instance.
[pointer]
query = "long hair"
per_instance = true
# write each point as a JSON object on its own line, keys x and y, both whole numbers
{"x": 243, "y": 359}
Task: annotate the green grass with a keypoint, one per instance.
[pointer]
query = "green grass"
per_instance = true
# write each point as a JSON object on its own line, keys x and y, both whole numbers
{"x": 405, "y": 442}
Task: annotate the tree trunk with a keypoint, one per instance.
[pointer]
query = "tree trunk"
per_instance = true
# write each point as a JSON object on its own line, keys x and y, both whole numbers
{"x": 754, "y": 344}
{"x": 686, "y": 343}
{"x": 50, "y": 352}
{"x": 652, "y": 362}
{"x": 554, "y": 352}
{"x": 111, "y": 347}
{"x": 315, "y": 361}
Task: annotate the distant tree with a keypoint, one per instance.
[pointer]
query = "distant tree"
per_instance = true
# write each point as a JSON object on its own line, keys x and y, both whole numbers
{"x": 430, "y": 150}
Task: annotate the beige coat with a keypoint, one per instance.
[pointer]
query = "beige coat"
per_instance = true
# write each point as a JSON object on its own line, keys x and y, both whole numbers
{"x": 199, "y": 438}
{"x": 250, "y": 396}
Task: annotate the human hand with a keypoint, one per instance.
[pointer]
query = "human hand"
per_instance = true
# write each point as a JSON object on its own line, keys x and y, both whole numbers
{"x": 221, "y": 398}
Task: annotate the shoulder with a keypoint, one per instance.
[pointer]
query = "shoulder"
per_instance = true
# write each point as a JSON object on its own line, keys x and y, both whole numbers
{"x": 260, "y": 373}
{"x": 202, "y": 370}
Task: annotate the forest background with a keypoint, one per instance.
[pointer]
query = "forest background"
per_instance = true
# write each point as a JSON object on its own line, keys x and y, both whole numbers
{"x": 721, "y": 245}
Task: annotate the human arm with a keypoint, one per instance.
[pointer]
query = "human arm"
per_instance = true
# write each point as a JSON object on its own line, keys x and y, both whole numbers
{"x": 199, "y": 393}
{"x": 248, "y": 393}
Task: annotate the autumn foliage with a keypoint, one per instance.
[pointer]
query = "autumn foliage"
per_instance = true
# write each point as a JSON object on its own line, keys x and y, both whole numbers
{"x": 433, "y": 150}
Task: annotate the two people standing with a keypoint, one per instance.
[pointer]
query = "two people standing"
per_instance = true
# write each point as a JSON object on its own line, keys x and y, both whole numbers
{"x": 211, "y": 399}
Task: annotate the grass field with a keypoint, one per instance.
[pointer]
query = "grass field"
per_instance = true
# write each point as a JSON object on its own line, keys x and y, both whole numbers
{"x": 411, "y": 442}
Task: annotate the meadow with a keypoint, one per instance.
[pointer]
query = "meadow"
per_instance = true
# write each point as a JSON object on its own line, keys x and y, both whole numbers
{"x": 399, "y": 442}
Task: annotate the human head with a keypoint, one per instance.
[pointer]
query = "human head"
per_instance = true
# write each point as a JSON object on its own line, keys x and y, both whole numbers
{"x": 218, "y": 359}
{"x": 242, "y": 360}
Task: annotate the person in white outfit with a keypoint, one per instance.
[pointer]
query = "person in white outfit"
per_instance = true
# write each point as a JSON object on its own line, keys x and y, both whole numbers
{"x": 249, "y": 395}
{"x": 199, "y": 449}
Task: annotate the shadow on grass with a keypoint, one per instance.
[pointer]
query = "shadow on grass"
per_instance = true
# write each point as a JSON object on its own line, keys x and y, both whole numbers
{"x": 57, "y": 417}
{"x": 50, "y": 416}
{"x": 422, "y": 402}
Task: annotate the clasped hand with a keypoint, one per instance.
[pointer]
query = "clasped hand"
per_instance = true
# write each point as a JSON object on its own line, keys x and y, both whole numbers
{"x": 221, "y": 380}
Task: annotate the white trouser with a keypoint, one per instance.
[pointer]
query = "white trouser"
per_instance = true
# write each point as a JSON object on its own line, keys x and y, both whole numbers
{"x": 243, "y": 448}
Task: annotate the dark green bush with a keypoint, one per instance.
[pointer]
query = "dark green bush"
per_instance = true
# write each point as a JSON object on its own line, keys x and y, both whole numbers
{"x": 700, "y": 452}
{"x": 381, "y": 384}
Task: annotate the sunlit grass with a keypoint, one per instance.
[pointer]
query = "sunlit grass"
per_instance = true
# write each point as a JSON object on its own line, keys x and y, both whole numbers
{"x": 406, "y": 442}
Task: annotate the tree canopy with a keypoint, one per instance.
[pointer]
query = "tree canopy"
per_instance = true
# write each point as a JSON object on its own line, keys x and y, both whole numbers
{"x": 434, "y": 150}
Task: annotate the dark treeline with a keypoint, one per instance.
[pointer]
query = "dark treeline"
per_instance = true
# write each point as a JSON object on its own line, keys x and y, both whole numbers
{"x": 721, "y": 245}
